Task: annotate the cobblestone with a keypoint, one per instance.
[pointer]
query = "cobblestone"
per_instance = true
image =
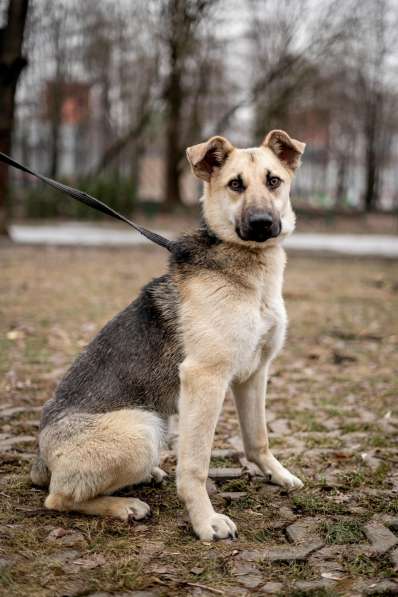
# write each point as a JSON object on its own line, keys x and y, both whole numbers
{"x": 381, "y": 538}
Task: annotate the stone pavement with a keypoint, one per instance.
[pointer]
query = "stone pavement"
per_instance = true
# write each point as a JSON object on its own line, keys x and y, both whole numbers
{"x": 304, "y": 543}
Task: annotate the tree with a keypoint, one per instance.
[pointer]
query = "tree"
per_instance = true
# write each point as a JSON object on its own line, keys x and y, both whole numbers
{"x": 183, "y": 23}
{"x": 121, "y": 53}
{"x": 375, "y": 44}
{"x": 12, "y": 62}
{"x": 291, "y": 42}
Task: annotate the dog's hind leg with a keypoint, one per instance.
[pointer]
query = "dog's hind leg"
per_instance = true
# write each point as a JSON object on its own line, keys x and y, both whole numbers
{"x": 40, "y": 473}
{"x": 92, "y": 456}
{"x": 123, "y": 508}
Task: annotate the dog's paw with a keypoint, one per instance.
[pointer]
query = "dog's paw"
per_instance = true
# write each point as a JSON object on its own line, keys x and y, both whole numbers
{"x": 217, "y": 526}
{"x": 286, "y": 480}
{"x": 130, "y": 509}
{"x": 158, "y": 475}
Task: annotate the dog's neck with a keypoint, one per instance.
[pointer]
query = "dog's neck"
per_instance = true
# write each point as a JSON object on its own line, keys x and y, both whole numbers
{"x": 207, "y": 232}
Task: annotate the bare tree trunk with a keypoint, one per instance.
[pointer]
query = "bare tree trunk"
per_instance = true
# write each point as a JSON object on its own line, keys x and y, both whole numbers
{"x": 372, "y": 165}
{"x": 341, "y": 187}
{"x": 174, "y": 98}
{"x": 182, "y": 23}
{"x": 106, "y": 129}
{"x": 11, "y": 65}
{"x": 371, "y": 191}
{"x": 55, "y": 99}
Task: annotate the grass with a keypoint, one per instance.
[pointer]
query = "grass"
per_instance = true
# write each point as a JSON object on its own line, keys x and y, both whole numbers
{"x": 364, "y": 477}
{"x": 268, "y": 535}
{"x": 235, "y": 485}
{"x": 342, "y": 532}
{"x": 308, "y": 422}
{"x": 333, "y": 305}
{"x": 363, "y": 565}
{"x": 218, "y": 462}
{"x": 288, "y": 571}
{"x": 320, "y": 592}
{"x": 385, "y": 504}
{"x": 314, "y": 504}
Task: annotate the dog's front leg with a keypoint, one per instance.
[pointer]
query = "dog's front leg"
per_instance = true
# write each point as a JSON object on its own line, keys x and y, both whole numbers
{"x": 250, "y": 402}
{"x": 203, "y": 390}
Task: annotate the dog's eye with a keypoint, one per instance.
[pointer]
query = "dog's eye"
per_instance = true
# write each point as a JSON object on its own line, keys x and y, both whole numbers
{"x": 236, "y": 184}
{"x": 273, "y": 182}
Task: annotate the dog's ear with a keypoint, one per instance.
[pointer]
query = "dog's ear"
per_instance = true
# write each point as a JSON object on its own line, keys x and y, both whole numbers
{"x": 205, "y": 158}
{"x": 288, "y": 150}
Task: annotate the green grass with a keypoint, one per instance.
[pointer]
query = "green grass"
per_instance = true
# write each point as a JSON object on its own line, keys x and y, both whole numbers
{"x": 267, "y": 535}
{"x": 358, "y": 427}
{"x": 324, "y": 442}
{"x": 363, "y": 565}
{"x": 311, "y": 505}
{"x": 379, "y": 503}
{"x": 363, "y": 476}
{"x": 352, "y": 479}
{"x": 222, "y": 463}
{"x": 379, "y": 441}
{"x": 287, "y": 571}
{"x": 342, "y": 532}
{"x": 320, "y": 592}
{"x": 308, "y": 422}
{"x": 235, "y": 485}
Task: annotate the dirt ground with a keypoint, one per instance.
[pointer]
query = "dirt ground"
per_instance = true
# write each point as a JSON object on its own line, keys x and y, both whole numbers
{"x": 333, "y": 420}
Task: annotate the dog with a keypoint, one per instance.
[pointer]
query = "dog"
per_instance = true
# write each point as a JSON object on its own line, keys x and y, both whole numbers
{"x": 214, "y": 322}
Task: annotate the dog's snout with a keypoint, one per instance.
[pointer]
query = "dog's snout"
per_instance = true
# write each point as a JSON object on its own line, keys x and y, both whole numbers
{"x": 258, "y": 225}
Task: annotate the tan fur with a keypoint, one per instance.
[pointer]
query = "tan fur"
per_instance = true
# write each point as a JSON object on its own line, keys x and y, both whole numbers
{"x": 114, "y": 450}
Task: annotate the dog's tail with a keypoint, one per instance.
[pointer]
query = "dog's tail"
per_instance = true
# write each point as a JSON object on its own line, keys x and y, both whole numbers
{"x": 40, "y": 473}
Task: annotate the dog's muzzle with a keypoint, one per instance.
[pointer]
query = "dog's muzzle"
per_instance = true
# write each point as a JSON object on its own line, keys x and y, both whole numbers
{"x": 259, "y": 226}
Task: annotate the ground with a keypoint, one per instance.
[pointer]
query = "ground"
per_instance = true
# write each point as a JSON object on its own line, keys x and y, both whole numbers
{"x": 332, "y": 415}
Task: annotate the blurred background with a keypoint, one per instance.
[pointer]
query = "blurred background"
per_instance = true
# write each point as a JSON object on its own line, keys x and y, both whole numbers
{"x": 108, "y": 94}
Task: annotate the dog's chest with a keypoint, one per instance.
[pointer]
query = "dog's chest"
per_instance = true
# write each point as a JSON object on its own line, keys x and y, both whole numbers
{"x": 262, "y": 332}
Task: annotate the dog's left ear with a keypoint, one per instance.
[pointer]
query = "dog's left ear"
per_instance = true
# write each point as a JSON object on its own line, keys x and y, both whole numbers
{"x": 206, "y": 158}
{"x": 288, "y": 150}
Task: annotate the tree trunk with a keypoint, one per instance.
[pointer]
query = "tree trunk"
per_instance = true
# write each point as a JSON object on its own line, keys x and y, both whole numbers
{"x": 11, "y": 65}
{"x": 371, "y": 190}
{"x": 341, "y": 187}
{"x": 372, "y": 159}
{"x": 56, "y": 98}
{"x": 174, "y": 99}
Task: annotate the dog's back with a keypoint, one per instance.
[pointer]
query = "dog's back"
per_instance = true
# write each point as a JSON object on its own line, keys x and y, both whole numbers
{"x": 132, "y": 362}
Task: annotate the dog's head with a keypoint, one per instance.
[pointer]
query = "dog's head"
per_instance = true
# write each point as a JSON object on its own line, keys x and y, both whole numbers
{"x": 246, "y": 196}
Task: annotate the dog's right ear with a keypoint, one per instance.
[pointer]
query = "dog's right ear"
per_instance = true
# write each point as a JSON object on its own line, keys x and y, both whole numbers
{"x": 207, "y": 157}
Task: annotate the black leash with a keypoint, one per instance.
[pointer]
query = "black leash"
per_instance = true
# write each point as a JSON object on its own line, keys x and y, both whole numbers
{"x": 91, "y": 202}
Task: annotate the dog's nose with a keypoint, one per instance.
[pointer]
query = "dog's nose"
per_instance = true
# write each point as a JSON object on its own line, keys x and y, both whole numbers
{"x": 260, "y": 220}
{"x": 259, "y": 224}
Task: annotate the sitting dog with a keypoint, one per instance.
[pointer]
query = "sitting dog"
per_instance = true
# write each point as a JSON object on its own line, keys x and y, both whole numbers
{"x": 215, "y": 321}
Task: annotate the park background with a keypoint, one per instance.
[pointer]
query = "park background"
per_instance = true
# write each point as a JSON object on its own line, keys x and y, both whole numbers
{"x": 106, "y": 95}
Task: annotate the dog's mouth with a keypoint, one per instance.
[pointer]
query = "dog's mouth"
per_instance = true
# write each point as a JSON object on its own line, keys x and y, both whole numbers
{"x": 258, "y": 233}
